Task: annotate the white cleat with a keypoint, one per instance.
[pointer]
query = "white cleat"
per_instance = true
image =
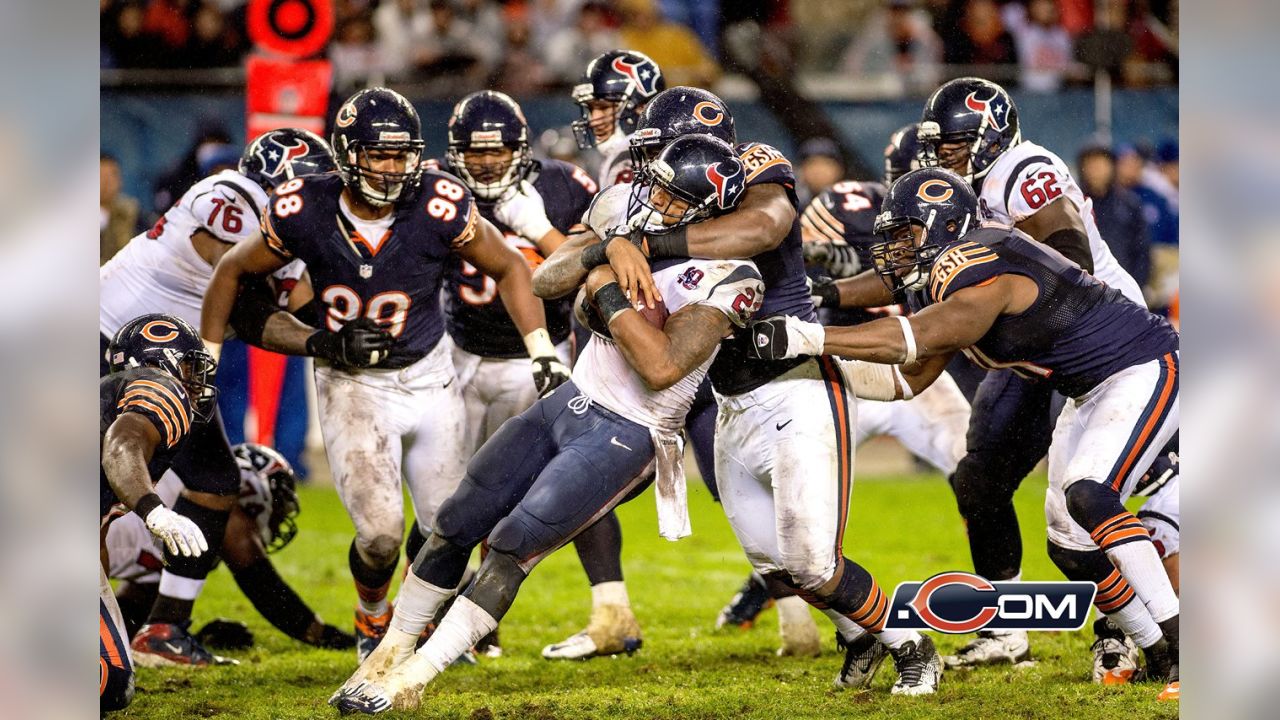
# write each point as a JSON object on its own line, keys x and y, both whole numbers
{"x": 396, "y": 647}
{"x": 1115, "y": 661}
{"x": 992, "y": 648}
{"x": 400, "y": 689}
{"x": 613, "y": 629}
{"x": 798, "y": 630}
{"x": 919, "y": 667}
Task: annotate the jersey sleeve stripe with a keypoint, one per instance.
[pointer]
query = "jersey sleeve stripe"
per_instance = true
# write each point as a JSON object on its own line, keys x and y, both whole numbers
{"x": 174, "y": 399}
{"x": 821, "y": 212}
{"x": 816, "y": 224}
{"x": 469, "y": 231}
{"x": 1016, "y": 175}
{"x": 941, "y": 283}
{"x": 766, "y": 166}
{"x": 273, "y": 241}
{"x": 151, "y": 408}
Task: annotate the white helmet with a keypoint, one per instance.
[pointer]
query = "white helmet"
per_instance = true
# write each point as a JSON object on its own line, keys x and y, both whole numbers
{"x": 267, "y": 493}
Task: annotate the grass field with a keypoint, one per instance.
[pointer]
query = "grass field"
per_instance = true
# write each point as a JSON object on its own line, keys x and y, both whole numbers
{"x": 900, "y": 529}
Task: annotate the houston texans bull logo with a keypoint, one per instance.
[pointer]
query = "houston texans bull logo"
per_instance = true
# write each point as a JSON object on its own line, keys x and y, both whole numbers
{"x": 277, "y": 157}
{"x": 644, "y": 73}
{"x": 993, "y": 109}
{"x": 727, "y": 179}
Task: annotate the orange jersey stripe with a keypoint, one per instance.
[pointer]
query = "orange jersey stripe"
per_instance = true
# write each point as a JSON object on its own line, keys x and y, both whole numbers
{"x": 104, "y": 634}
{"x": 171, "y": 433}
{"x": 152, "y": 400}
{"x": 179, "y": 406}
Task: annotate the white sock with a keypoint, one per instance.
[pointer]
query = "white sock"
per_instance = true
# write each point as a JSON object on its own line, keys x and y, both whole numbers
{"x": 178, "y": 587}
{"x": 462, "y": 627}
{"x": 1140, "y": 565}
{"x": 793, "y": 610}
{"x": 848, "y": 629}
{"x": 895, "y": 638}
{"x": 1137, "y": 623}
{"x": 613, "y": 592}
{"x": 417, "y": 603}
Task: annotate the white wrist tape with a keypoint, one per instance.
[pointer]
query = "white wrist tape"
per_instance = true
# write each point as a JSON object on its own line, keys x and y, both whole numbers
{"x": 872, "y": 381}
{"x": 537, "y": 229}
{"x": 214, "y": 349}
{"x": 804, "y": 338}
{"x": 909, "y": 337}
{"x": 538, "y": 344}
{"x": 902, "y": 381}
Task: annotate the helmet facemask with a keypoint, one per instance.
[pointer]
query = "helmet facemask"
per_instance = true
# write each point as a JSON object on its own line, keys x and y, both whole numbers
{"x": 196, "y": 369}
{"x": 488, "y": 176}
{"x": 611, "y": 120}
{"x": 905, "y": 258}
{"x": 657, "y": 206}
{"x": 381, "y": 188}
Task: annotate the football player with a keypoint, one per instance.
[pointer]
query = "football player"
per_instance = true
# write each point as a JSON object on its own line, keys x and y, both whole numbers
{"x": 614, "y": 90}
{"x": 579, "y": 452}
{"x": 166, "y": 269}
{"x": 767, "y": 435}
{"x": 1011, "y": 302}
{"x": 262, "y": 523}
{"x": 377, "y": 238}
{"x": 158, "y": 389}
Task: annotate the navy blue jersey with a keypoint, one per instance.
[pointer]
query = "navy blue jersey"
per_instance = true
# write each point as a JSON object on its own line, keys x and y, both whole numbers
{"x": 394, "y": 280}
{"x": 156, "y": 396}
{"x": 1076, "y": 334}
{"x": 478, "y": 322}
{"x": 785, "y": 289}
{"x": 845, "y": 214}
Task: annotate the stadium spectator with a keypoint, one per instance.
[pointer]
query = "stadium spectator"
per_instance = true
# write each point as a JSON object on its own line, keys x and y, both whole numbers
{"x": 1160, "y": 210}
{"x": 455, "y": 57}
{"x": 118, "y": 221}
{"x": 522, "y": 70}
{"x": 978, "y": 36}
{"x": 1044, "y": 47}
{"x": 169, "y": 187}
{"x": 568, "y": 50}
{"x": 700, "y": 16}
{"x": 674, "y": 47}
{"x": 897, "y": 39}
{"x": 1117, "y": 211}
{"x": 168, "y": 22}
{"x": 212, "y": 44}
{"x": 821, "y": 166}
{"x": 402, "y": 29}
{"x": 354, "y": 54}
{"x": 125, "y": 40}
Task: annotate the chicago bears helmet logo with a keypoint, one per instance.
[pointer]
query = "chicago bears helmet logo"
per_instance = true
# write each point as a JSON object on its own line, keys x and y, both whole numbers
{"x": 346, "y": 115}
{"x": 643, "y": 73}
{"x": 994, "y": 108}
{"x": 161, "y": 331}
{"x": 727, "y": 181}
{"x": 708, "y": 113}
{"x": 935, "y": 191}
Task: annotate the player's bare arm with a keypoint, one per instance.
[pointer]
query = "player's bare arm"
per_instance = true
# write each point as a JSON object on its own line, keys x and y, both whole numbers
{"x": 509, "y": 270}
{"x": 663, "y": 357}
{"x": 250, "y": 257}
{"x": 759, "y": 224}
{"x": 126, "y": 449}
{"x": 863, "y": 290}
{"x": 1060, "y": 226}
{"x": 562, "y": 272}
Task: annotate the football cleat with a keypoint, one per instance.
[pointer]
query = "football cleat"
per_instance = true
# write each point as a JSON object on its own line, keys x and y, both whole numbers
{"x": 1172, "y": 691}
{"x": 1115, "y": 657}
{"x": 991, "y": 648}
{"x": 395, "y": 648}
{"x": 799, "y": 633}
{"x": 489, "y": 646}
{"x": 919, "y": 667}
{"x": 400, "y": 689}
{"x": 862, "y": 658}
{"x": 613, "y": 629}
{"x": 365, "y": 699}
{"x": 170, "y": 645}
{"x": 751, "y": 600}
{"x": 369, "y": 631}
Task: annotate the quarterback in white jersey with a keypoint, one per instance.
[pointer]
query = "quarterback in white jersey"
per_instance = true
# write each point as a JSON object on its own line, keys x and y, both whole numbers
{"x": 613, "y": 91}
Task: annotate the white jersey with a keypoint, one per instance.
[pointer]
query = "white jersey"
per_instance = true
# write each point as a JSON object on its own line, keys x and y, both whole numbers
{"x": 1026, "y": 178}
{"x": 160, "y": 271}
{"x": 615, "y": 164}
{"x": 133, "y": 553}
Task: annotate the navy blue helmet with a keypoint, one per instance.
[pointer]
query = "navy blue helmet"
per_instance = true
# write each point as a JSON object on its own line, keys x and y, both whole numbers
{"x": 900, "y": 156}
{"x": 699, "y": 172}
{"x": 280, "y": 155}
{"x": 923, "y": 212}
{"x": 973, "y": 111}
{"x": 625, "y": 78}
{"x": 381, "y": 122}
{"x": 488, "y": 121}
{"x": 268, "y": 493}
{"x": 168, "y": 343}
{"x": 680, "y": 111}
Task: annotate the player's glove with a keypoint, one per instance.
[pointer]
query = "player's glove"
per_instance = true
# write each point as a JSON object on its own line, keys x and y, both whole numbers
{"x": 225, "y": 634}
{"x": 360, "y": 343}
{"x": 330, "y": 637}
{"x": 548, "y": 373}
{"x": 780, "y": 338}
{"x": 523, "y": 210}
{"x": 839, "y": 259}
{"x": 179, "y": 533}
{"x": 823, "y": 292}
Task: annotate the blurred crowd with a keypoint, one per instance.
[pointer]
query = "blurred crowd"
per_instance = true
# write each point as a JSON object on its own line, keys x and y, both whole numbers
{"x": 530, "y": 46}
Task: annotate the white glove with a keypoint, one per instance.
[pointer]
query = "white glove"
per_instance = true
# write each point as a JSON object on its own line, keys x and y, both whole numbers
{"x": 179, "y": 533}
{"x": 524, "y": 212}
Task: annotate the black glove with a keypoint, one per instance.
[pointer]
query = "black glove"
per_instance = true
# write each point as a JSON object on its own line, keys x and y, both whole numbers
{"x": 823, "y": 292}
{"x": 225, "y": 634}
{"x": 839, "y": 259}
{"x": 548, "y": 374}
{"x": 769, "y": 339}
{"x": 332, "y": 638}
{"x": 1162, "y": 470}
{"x": 360, "y": 343}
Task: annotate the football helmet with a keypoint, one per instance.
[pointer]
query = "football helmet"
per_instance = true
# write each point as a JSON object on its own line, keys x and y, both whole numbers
{"x": 680, "y": 111}
{"x": 268, "y": 493}
{"x": 625, "y": 78}
{"x": 382, "y": 122}
{"x": 280, "y": 155}
{"x": 488, "y": 120}
{"x": 694, "y": 178}
{"x": 900, "y": 156}
{"x": 936, "y": 200}
{"x": 973, "y": 111}
{"x": 168, "y": 343}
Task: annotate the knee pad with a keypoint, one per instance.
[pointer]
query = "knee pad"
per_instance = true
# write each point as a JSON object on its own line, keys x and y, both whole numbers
{"x": 496, "y": 583}
{"x": 1091, "y": 504}
{"x": 512, "y": 536}
{"x": 983, "y": 483}
{"x": 115, "y": 686}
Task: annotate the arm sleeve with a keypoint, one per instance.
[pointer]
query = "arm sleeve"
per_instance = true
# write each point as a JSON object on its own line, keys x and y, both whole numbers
{"x": 163, "y": 402}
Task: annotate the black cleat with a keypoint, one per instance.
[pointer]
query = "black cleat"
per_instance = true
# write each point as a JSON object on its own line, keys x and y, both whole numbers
{"x": 746, "y": 606}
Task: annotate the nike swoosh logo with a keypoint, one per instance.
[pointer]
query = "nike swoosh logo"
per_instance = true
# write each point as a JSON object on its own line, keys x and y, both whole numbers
{"x": 779, "y": 426}
{"x": 614, "y": 441}
{"x": 175, "y": 649}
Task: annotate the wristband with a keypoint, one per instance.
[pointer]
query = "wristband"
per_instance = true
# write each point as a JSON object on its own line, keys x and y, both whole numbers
{"x": 610, "y": 301}
{"x": 538, "y": 344}
{"x": 909, "y": 337}
{"x": 902, "y": 382}
{"x": 146, "y": 504}
{"x": 595, "y": 256}
{"x": 672, "y": 244}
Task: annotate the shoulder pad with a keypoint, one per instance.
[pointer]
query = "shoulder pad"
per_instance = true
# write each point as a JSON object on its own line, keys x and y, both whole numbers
{"x": 732, "y": 286}
{"x": 162, "y": 400}
{"x": 962, "y": 265}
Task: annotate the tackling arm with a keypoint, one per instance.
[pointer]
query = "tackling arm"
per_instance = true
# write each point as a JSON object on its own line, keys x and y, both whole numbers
{"x": 759, "y": 224}
{"x": 1059, "y": 226}
{"x": 250, "y": 257}
{"x": 864, "y": 290}
{"x": 562, "y": 272}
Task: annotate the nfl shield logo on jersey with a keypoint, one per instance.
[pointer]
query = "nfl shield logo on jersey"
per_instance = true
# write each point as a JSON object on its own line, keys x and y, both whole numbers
{"x": 366, "y": 271}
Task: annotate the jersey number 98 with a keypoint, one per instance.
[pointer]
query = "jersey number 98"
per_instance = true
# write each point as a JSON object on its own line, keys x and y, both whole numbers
{"x": 389, "y": 309}
{"x": 443, "y": 205}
